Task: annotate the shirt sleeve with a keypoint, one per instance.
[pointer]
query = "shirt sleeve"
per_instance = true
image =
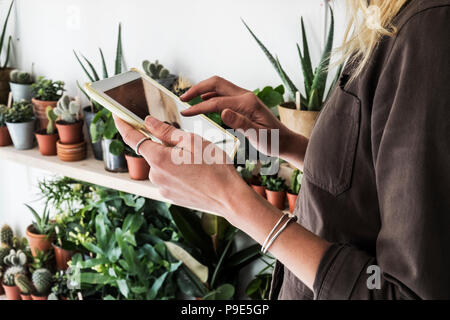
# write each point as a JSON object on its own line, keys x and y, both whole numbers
{"x": 411, "y": 155}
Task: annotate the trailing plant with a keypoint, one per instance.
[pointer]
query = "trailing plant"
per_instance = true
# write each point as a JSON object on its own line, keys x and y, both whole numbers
{"x": 41, "y": 223}
{"x": 20, "y": 77}
{"x": 296, "y": 181}
{"x": 274, "y": 183}
{"x": 3, "y": 113}
{"x": 20, "y": 112}
{"x": 52, "y": 117}
{"x": 155, "y": 70}
{"x": 47, "y": 90}
{"x": 25, "y": 285}
{"x": 7, "y": 235}
{"x": 315, "y": 79}
{"x": 2, "y": 38}
{"x": 67, "y": 110}
{"x": 42, "y": 281}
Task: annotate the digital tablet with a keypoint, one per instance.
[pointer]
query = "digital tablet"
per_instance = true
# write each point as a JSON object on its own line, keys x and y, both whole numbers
{"x": 133, "y": 95}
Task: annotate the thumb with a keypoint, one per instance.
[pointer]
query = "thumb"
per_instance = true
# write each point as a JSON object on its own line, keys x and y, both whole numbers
{"x": 236, "y": 120}
{"x": 168, "y": 134}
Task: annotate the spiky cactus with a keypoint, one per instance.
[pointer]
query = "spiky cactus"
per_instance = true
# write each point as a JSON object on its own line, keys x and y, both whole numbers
{"x": 51, "y": 116}
{"x": 155, "y": 70}
{"x": 10, "y": 273}
{"x": 19, "y": 243}
{"x": 42, "y": 281}
{"x": 67, "y": 110}
{"x": 24, "y": 284}
{"x": 20, "y": 77}
{"x": 15, "y": 259}
{"x": 7, "y": 236}
{"x": 3, "y": 254}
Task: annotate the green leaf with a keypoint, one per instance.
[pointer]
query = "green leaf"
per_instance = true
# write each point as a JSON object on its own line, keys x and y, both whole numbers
{"x": 95, "y": 278}
{"x": 214, "y": 225}
{"x": 270, "y": 97}
{"x": 83, "y": 67}
{"x": 119, "y": 52}
{"x": 305, "y": 60}
{"x": 116, "y": 147}
{"x": 133, "y": 223}
{"x": 244, "y": 257}
{"x": 94, "y": 72}
{"x": 110, "y": 130}
{"x": 153, "y": 292}
{"x": 5, "y": 25}
{"x": 8, "y": 52}
{"x": 224, "y": 292}
{"x": 280, "y": 89}
{"x": 105, "y": 69}
{"x": 222, "y": 258}
{"x": 189, "y": 284}
{"x": 123, "y": 287}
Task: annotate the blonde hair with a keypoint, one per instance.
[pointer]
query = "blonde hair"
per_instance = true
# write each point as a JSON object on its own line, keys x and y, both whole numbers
{"x": 369, "y": 22}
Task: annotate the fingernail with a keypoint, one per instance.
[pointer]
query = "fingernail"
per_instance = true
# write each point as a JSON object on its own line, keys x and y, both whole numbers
{"x": 228, "y": 116}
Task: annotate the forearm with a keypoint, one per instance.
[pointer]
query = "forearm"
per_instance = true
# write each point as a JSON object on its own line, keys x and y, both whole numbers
{"x": 298, "y": 249}
{"x": 293, "y": 148}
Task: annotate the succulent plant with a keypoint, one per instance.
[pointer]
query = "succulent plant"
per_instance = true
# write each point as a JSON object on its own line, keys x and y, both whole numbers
{"x": 7, "y": 236}
{"x": 155, "y": 70}
{"x": 42, "y": 281}
{"x": 10, "y": 273}
{"x": 67, "y": 110}
{"x": 15, "y": 258}
{"x": 51, "y": 116}
{"x": 181, "y": 86}
{"x": 24, "y": 284}
{"x": 3, "y": 254}
{"x": 47, "y": 90}
{"x": 20, "y": 77}
{"x": 274, "y": 183}
{"x": 19, "y": 243}
{"x": 20, "y": 112}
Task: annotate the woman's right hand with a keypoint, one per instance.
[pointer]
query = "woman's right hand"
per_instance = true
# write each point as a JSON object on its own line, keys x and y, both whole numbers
{"x": 242, "y": 109}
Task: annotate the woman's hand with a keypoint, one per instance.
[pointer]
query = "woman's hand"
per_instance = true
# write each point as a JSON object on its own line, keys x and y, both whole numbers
{"x": 241, "y": 109}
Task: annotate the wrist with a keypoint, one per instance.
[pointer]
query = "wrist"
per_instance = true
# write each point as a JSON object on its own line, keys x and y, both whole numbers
{"x": 293, "y": 147}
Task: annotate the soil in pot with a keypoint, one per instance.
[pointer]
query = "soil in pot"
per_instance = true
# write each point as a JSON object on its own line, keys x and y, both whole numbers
{"x": 71, "y": 152}
{"x": 4, "y": 84}
{"x": 261, "y": 190}
{"x": 299, "y": 121}
{"x": 39, "y": 110}
{"x": 5, "y": 138}
{"x": 25, "y": 296}
{"x": 292, "y": 199}
{"x": 38, "y": 242}
{"x": 22, "y": 134}
{"x": 39, "y": 297}
{"x": 46, "y": 142}
{"x": 62, "y": 257}
{"x": 12, "y": 292}
{"x": 20, "y": 91}
{"x": 96, "y": 147}
{"x": 70, "y": 133}
{"x": 138, "y": 167}
{"x": 276, "y": 198}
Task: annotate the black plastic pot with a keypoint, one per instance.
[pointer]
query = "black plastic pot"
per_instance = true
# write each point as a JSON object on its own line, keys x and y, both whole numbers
{"x": 96, "y": 147}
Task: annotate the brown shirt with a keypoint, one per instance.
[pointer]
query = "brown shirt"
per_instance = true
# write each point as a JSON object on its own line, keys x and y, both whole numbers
{"x": 377, "y": 170}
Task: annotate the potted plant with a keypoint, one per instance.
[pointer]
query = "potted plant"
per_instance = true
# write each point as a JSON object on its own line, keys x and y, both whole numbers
{"x": 301, "y": 112}
{"x": 45, "y": 93}
{"x": 292, "y": 194}
{"x": 47, "y": 138}
{"x": 138, "y": 167}
{"x": 91, "y": 110}
{"x": 40, "y": 232}
{"x": 275, "y": 190}
{"x": 15, "y": 263}
{"x": 42, "y": 282}
{"x": 248, "y": 174}
{"x": 62, "y": 255}
{"x": 71, "y": 145}
{"x": 20, "y": 83}
{"x": 157, "y": 72}
{"x": 21, "y": 123}
{"x": 271, "y": 97}
{"x": 5, "y": 138}
{"x": 4, "y": 70}
{"x": 60, "y": 289}
{"x": 25, "y": 286}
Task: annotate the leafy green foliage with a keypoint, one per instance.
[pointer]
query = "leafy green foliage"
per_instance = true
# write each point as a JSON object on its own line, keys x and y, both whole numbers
{"x": 41, "y": 223}
{"x": 271, "y": 97}
{"x": 274, "y": 183}
{"x": 103, "y": 126}
{"x": 259, "y": 288}
{"x": 20, "y": 77}
{"x": 2, "y": 37}
{"x": 20, "y": 112}
{"x": 3, "y": 113}
{"x": 47, "y": 90}
{"x": 296, "y": 181}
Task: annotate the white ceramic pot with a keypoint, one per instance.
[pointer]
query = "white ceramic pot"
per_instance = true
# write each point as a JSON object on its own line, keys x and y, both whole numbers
{"x": 20, "y": 91}
{"x": 22, "y": 134}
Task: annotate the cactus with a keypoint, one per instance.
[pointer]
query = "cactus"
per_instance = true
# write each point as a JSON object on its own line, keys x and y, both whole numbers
{"x": 10, "y": 273}
{"x": 3, "y": 254}
{"x": 67, "y": 110}
{"x": 6, "y": 236}
{"x": 51, "y": 116}
{"x": 19, "y": 243}
{"x": 20, "y": 77}
{"x": 24, "y": 284}
{"x": 155, "y": 70}
{"x": 15, "y": 258}
{"x": 42, "y": 281}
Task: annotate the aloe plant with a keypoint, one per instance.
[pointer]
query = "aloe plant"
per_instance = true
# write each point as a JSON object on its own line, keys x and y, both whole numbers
{"x": 2, "y": 37}
{"x": 315, "y": 79}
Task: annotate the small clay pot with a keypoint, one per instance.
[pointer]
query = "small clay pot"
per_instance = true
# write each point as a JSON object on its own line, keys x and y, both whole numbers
{"x": 70, "y": 133}
{"x": 137, "y": 167}
{"x": 292, "y": 199}
{"x": 62, "y": 257}
{"x": 38, "y": 242}
{"x": 276, "y": 198}
{"x": 12, "y": 292}
{"x": 25, "y": 296}
{"x": 46, "y": 142}
{"x": 39, "y": 297}
{"x": 71, "y": 152}
{"x": 5, "y": 138}
{"x": 261, "y": 190}
{"x": 40, "y": 108}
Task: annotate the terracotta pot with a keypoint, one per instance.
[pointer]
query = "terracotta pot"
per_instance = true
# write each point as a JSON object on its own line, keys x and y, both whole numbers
{"x": 25, "y": 297}
{"x": 5, "y": 138}
{"x": 38, "y": 242}
{"x": 39, "y": 107}
{"x": 137, "y": 167}
{"x": 276, "y": 198}
{"x": 261, "y": 190}
{"x": 70, "y": 133}
{"x": 12, "y": 292}
{"x": 4, "y": 84}
{"x": 62, "y": 256}
{"x": 292, "y": 199}
{"x": 71, "y": 152}
{"x": 299, "y": 121}
{"x": 46, "y": 142}
{"x": 38, "y": 297}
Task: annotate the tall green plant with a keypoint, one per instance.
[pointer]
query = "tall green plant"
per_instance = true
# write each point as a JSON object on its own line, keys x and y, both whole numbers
{"x": 2, "y": 37}
{"x": 315, "y": 79}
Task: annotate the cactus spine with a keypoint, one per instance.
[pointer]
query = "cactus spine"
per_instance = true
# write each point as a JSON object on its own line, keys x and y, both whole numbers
{"x": 155, "y": 70}
{"x": 24, "y": 284}
{"x": 51, "y": 116}
{"x": 42, "y": 281}
{"x": 3, "y": 254}
{"x": 7, "y": 236}
{"x": 20, "y": 77}
{"x": 67, "y": 110}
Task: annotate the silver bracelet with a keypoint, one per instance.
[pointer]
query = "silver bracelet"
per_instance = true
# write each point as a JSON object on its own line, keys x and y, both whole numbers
{"x": 266, "y": 248}
{"x": 273, "y": 230}
{"x": 139, "y": 144}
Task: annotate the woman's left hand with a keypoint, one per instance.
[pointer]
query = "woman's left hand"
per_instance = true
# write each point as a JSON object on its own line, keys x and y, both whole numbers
{"x": 188, "y": 170}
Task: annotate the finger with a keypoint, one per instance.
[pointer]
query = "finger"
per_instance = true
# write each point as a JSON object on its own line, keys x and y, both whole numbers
{"x": 168, "y": 134}
{"x": 212, "y": 105}
{"x": 208, "y": 96}
{"x": 215, "y": 84}
{"x": 236, "y": 120}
